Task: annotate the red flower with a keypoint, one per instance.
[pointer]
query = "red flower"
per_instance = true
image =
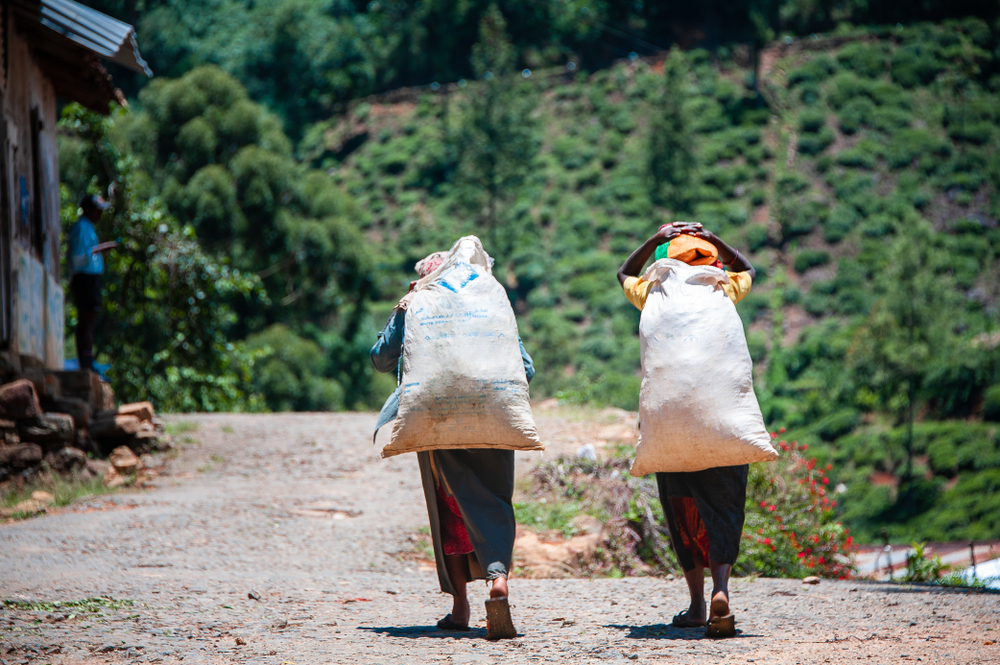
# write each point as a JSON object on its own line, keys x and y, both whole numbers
{"x": 781, "y": 430}
{"x": 829, "y": 466}
{"x": 826, "y": 481}
{"x": 805, "y": 446}
{"x": 767, "y": 541}
{"x": 774, "y": 435}
{"x": 771, "y": 508}
{"x": 763, "y": 504}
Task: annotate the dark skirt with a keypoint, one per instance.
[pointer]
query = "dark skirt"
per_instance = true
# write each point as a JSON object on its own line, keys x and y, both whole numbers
{"x": 481, "y": 482}
{"x": 705, "y": 510}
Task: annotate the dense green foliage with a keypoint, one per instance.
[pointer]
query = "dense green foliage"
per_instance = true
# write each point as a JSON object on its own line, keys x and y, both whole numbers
{"x": 859, "y": 173}
{"x": 165, "y": 322}
{"x": 306, "y": 59}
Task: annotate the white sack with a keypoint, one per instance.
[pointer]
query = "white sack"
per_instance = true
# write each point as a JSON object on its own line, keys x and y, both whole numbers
{"x": 463, "y": 379}
{"x": 697, "y": 408}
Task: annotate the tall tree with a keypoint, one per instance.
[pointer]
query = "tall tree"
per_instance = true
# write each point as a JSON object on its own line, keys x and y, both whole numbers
{"x": 670, "y": 153}
{"x": 497, "y": 140}
{"x": 909, "y": 326}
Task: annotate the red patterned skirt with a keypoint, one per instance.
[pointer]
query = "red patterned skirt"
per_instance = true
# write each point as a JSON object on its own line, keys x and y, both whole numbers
{"x": 454, "y": 535}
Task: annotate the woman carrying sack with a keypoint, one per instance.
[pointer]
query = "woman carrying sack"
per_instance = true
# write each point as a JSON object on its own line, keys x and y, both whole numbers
{"x": 704, "y": 509}
{"x": 469, "y": 495}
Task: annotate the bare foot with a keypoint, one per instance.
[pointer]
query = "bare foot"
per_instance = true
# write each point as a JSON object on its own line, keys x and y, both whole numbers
{"x": 720, "y": 604}
{"x": 499, "y": 588}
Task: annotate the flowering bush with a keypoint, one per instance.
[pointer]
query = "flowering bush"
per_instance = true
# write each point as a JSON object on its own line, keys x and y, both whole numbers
{"x": 791, "y": 528}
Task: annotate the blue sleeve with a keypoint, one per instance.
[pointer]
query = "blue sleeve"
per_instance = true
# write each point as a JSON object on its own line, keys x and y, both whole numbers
{"x": 529, "y": 365}
{"x": 389, "y": 347}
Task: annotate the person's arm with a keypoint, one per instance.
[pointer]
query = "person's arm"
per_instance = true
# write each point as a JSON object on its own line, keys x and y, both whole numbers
{"x": 103, "y": 247}
{"x": 389, "y": 347}
{"x": 731, "y": 258}
{"x": 529, "y": 365}
{"x": 637, "y": 260}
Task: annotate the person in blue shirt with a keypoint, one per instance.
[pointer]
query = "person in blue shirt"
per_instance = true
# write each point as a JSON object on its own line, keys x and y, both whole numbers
{"x": 469, "y": 494}
{"x": 86, "y": 265}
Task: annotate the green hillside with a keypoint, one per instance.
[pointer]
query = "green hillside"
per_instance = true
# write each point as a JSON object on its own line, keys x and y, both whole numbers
{"x": 857, "y": 169}
{"x": 861, "y": 183}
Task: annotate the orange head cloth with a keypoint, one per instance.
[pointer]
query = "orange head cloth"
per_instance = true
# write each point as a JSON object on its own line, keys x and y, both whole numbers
{"x": 693, "y": 251}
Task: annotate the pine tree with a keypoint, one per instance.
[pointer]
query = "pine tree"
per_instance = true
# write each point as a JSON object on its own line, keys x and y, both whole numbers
{"x": 497, "y": 144}
{"x": 671, "y": 159}
{"x": 909, "y": 326}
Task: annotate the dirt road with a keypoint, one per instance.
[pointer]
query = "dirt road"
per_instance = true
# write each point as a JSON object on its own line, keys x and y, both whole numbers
{"x": 300, "y": 511}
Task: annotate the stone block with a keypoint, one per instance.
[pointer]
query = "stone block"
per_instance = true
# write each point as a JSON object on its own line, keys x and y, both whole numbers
{"x": 124, "y": 460}
{"x": 78, "y": 408}
{"x": 19, "y": 400}
{"x": 141, "y": 410}
{"x": 108, "y": 424}
{"x": 48, "y": 428}
{"x": 46, "y": 384}
{"x": 25, "y": 454}
{"x": 66, "y": 460}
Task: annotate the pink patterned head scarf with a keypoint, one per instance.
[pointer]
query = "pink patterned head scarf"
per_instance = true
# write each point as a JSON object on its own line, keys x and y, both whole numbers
{"x": 429, "y": 264}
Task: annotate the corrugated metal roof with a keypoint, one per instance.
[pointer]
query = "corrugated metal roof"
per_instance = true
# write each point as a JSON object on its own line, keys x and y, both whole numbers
{"x": 106, "y": 36}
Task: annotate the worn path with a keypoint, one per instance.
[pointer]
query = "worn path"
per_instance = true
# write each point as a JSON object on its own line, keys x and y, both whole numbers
{"x": 300, "y": 511}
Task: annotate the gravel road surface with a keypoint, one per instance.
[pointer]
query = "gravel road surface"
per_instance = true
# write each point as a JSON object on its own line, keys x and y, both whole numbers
{"x": 285, "y": 540}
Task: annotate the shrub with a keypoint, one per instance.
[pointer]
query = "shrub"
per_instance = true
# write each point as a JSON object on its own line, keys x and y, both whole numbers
{"x": 991, "y": 404}
{"x": 813, "y": 144}
{"x": 977, "y": 133}
{"x": 813, "y": 71}
{"x": 791, "y": 183}
{"x": 838, "y": 424}
{"x": 845, "y": 87}
{"x": 810, "y": 258}
{"x": 791, "y": 529}
{"x": 842, "y": 220}
{"x": 864, "y": 59}
{"x": 855, "y": 114}
{"x": 908, "y": 145}
{"x": 890, "y": 119}
{"x": 920, "y": 567}
{"x": 915, "y": 64}
{"x": 812, "y": 120}
{"x": 756, "y": 237}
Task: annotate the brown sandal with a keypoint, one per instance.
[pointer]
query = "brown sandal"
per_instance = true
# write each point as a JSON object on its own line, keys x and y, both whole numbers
{"x": 721, "y": 626}
{"x": 681, "y": 620}
{"x": 499, "y": 625}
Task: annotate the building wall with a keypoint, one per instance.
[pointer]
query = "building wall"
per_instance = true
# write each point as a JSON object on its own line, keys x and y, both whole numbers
{"x": 31, "y": 213}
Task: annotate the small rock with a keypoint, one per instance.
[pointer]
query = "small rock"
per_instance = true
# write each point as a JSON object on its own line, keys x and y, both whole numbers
{"x": 141, "y": 410}
{"x": 42, "y": 497}
{"x": 98, "y": 467}
{"x": 253, "y": 595}
{"x": 47, "y": 428}
{"x": 107, "y": 648}
{"x": 66, "y": 460}
{"x": 78, "y": 408}
{"x": 19, "y": 400}
{"x": 108, "y": 424}
{"x": 23, "y": 454}
{"x": 812, "y": 579}
{"x": 240, "y": 642}
{"x": 124, "y": 460}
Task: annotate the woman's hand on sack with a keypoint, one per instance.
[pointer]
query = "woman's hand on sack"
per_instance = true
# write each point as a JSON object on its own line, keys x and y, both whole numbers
{"x": 668, "y": 232}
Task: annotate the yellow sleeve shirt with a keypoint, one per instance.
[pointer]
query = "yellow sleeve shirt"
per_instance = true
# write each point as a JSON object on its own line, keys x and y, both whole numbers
{"x": 637, "y": 289}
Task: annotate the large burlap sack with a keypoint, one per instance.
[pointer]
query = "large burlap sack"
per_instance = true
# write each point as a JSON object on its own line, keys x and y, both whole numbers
{"x": 697, "y": 408}
{"x": 463, "y": 379}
